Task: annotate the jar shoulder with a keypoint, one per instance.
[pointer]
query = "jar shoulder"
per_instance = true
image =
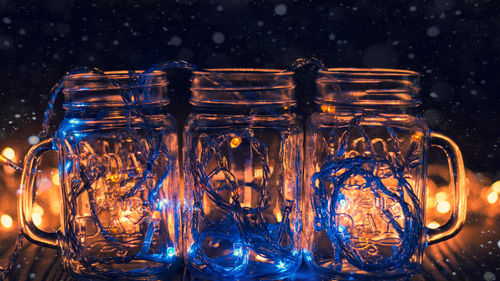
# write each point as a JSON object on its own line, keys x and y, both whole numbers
{"x": 214, "y": 122}
{"x": 320, "y": 120}
{"x": 165, "y": 122}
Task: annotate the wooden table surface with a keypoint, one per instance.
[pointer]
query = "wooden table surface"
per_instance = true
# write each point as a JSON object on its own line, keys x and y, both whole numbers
{"x": 474, "y": 254}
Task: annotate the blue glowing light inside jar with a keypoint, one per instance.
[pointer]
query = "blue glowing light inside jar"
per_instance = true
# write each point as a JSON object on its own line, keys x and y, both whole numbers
{"x": 238, "y": 251}
{"x": 170, "y": 252}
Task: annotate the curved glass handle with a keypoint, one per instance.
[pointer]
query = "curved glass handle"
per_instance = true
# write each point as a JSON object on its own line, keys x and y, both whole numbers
{"x": 26, "y": 196}
{"x": 457, "y": 180}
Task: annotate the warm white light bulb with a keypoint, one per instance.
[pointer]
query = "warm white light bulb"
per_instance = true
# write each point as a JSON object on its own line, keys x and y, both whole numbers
{"x": 9, "y": 153}
{"x": 492, "y": 197}
{"x": 443, "y": 207}
{"x": 6, "y": 221}
{"x": 37, "y": 219}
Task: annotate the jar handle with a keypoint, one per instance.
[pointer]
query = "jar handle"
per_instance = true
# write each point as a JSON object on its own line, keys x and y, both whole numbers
{"x": 26, "y": 196}
{"x": 457, "y": 179}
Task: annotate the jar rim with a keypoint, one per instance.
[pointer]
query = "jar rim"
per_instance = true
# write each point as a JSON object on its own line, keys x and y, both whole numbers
{"x": 242, "y": 87}
{"x": 355, "y": 71}
{"x": 91, "y": 89}
{"x": 112, "y": 74}
{"x": 253, "y": 71}
{"x": 368, "y": 87}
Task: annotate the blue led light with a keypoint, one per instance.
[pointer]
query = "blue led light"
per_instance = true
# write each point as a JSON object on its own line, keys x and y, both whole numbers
{"x": 170, "y": 252}
{"x": 308, "y": 257}
{"x": 146, "y": 137}
{"x": 238, "y": 252}
{"x": 343, "y": 203}
{"x": 352, "y": 242}
{"x": 264, "y": 238}
{"x": 341, "y": 228}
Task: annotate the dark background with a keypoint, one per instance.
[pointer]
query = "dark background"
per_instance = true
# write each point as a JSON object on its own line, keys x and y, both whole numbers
{"x": 455, "y": 44}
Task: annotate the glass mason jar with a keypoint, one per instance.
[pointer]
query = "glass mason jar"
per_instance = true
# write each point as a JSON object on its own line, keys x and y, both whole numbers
{"x": 365, "y": 175}
{"x": 242, "y": 175}
{"x": 118, "y": 168}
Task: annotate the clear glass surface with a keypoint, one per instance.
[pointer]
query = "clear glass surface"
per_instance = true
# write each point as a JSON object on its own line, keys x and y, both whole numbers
{"x": 242, "y": 177}
{"x": 365, "y": 188}
{"x": 121, "y": 212}
{"x": 365, "y": 175}
{"x": 118, "y": 165}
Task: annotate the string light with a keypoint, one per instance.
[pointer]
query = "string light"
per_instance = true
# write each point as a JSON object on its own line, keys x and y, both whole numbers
{"x": 417, "y": 136}
{"x": 135, "y": 133}
{"x": 443, "y": 207}
{"x": 433, "y": 225}
{"x": 6, "y": 221}
{"x": 9, "y": 153}
{"x": 441, "y": 196}
{"x": 492, "y": 197}
{"x": 264, "y": 238}
{"x": 344, "y": 172}
{"x": 327, "y": 108}
{"x": 496, "y": 186}
{"x": 37, "y": 209}
{"x": 8, "y": 158}
{"x": 235, "y": 142}
{"x": 37, "y": 219}
{"x": 55, "y": 178}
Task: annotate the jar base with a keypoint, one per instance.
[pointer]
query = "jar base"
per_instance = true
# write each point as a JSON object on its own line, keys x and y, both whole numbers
{"x": 137, "y": 270}
{"x": 254, "y": 270}
{"x": 349, "y": 272}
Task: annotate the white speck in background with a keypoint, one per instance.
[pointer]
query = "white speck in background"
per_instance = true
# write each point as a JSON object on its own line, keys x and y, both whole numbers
{"x": 280, "y": 9}
{"x": 174, "y": 41}
{"x": 6, "y": 42}
{"x": 6, "y": 20}
{"x": 498, "y": 243}
{"x": 218, "y": 37}
{"x": 331, "y": 36}
{"x": 433, "y": 31}
{"x": 413, "y": 8}
{"x": 489, "y": 276}
{"x": 33, "y": 140}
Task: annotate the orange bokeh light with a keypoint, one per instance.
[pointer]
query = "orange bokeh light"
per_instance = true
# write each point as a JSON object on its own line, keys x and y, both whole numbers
{"x": 9, "y": 153}
{"x": 6, "y": 221}
{"x": 443, "y": 207}
{"x": 492, "y": 197}
{"x": 235, "y": 142}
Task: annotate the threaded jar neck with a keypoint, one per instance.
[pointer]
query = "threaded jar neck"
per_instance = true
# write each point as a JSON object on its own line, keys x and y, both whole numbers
{"x": 368, "y": 88}
{"x": 115, "y": 89}
{"x": 240, "y": 87}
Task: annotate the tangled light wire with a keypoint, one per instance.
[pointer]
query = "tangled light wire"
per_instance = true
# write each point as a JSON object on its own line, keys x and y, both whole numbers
{"x": 257, "y": 234}
{"x": 133, "y": 110}
{"x": 86, "y": 178}
{"x": 338, "y": 169}
{"x": 246, "y": 227}
{"x": 154, "y": 141}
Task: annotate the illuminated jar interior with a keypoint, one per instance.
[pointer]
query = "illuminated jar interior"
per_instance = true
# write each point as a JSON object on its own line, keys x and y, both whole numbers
{"x": 242, "y": 167}
{"x": 119, "y": 175}
{"x": 365, "y": 174}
